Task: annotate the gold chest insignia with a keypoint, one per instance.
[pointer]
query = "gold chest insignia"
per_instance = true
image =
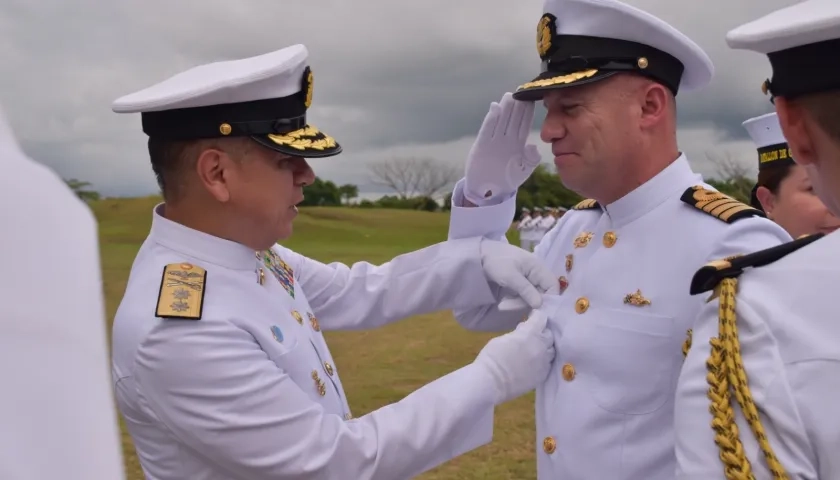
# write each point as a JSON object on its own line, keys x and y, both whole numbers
{"x": 570, "y": 262}
{"x": 181, "y": 294}
{"x": 636, "y": 299}
{"x": 545, "y": 32}
{"x": 583, "y": 239}
{"x": 719, "y": 205}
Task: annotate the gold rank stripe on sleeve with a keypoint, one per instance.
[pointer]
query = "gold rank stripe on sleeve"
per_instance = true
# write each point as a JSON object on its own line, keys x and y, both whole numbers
{"x": 181, "y": 294}
{"x": 718, "y": 205}
{"x": 588, "y": 204}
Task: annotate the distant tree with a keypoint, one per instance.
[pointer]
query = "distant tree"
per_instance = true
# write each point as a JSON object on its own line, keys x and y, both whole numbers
{"x": 447, "y": 202}
{"x": 544, "y": 189}
{"x": 82, "y": 190}
{"x": 734, "y": 179}
{"x": 321, "y": 193}
{"x": 348, "y": 192}
{"x": 414, "y": 177}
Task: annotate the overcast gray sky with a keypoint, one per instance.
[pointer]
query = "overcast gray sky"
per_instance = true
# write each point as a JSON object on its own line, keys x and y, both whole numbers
{"x": 392, "y": 78}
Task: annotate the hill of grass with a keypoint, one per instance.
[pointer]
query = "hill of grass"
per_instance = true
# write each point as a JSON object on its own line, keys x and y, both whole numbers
{"x": 380, "y": 366}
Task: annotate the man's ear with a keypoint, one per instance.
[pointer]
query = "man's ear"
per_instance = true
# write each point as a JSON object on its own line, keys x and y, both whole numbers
{"x": 767, "y": 200}
{"x": 212, "y": 167}
{"x": 794, "y": 122}
{"x": 656, "y": 103}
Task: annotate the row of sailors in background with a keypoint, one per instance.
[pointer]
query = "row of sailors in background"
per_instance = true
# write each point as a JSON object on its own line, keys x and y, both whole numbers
{"x": 533, "y": 226}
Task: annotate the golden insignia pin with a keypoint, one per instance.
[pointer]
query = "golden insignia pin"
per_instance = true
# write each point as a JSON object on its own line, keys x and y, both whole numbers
{"x": 297, "y": 316}
{"x": 583, "y": 239}
{"x": 319, "y": 384}
{"x": 570, "y": 260}
{"x": 564, "y": 284}
{"x": 181, "y": 291}
{"x": 314, "y": 322}
{"x": 636, "y": 299}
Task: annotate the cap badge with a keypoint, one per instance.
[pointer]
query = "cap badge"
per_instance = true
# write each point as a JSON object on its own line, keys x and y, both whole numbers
{"x": 545, "y": 31}
{"x": 308, "y": 86}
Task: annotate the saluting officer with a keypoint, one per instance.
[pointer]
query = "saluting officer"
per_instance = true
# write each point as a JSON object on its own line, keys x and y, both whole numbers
{"x": 624, "y": 257}
{"x": 57, "y": 412}
{"x": 220, "y": 365}
{"x": 760, "y": 399}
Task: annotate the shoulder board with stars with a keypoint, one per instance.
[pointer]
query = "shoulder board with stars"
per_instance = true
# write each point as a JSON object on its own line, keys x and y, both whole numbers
{"x": 711, "y": 274}
{"x": 719, "y": 205}
{"x": 588, "y": 204}
{"x": 181, "y": 294}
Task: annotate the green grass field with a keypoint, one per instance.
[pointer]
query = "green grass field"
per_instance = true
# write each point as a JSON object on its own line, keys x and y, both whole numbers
{"x": 380, "y": 366}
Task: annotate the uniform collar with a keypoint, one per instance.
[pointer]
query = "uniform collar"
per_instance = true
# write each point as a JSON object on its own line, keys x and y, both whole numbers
{"x": 199, "y": 245}
{"x": 674, "y": 179}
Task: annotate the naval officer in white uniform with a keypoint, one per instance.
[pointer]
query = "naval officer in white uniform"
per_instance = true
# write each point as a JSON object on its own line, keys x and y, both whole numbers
{"x": 220, "y": 365}
{"x": 760, "y": 399}
{"x": 57, "y": 412}
{"x": 624, "y": 258}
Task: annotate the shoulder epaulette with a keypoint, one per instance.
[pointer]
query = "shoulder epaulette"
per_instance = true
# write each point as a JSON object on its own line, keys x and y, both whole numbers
{"x": 721, "y": 206}
{"x": 711, "y": 274}
{"x": 588, "y": 204}
{"x": 181, "y": 294}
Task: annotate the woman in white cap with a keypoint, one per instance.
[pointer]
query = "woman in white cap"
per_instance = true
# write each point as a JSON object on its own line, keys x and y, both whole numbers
{"x": 783, "y": 190}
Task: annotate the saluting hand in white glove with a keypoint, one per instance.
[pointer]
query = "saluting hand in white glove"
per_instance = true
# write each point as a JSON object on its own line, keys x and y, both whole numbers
{"x": 500, "y": 161}
{"x": 521, "y": 359}
{"x": 516, "y": 269}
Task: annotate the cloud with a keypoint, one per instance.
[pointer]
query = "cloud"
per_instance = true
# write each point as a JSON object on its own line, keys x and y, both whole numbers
{"x": 390, "y": 77}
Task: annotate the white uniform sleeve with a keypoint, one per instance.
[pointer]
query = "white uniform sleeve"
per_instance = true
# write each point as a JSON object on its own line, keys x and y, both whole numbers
{"x": 57, "y": 412}
{"x": 219, "y": 394}
{"x": 445, "y": 276}
{"x": 817, "y": 395}
{"x": 491, "y": 221}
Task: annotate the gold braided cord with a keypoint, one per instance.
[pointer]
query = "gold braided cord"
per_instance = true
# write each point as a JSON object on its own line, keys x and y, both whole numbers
{"x": 726, "y": 369}
{"x": 687, "y": 343}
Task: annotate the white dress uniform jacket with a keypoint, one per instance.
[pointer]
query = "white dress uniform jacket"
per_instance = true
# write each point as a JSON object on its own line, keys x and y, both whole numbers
{"x": 522, "y": 227}
{"x": 624, "y": 272}
{"x": 57, "y": 412}
{"x": 790, "y": 345}
{"x": 250, "y": 389}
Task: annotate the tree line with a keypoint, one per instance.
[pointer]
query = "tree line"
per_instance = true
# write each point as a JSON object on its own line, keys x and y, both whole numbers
{"x": 417, "y": 183}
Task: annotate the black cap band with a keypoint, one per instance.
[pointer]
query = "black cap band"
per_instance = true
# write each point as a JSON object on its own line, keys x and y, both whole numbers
{"x": 574, "y": 53}
{"x": 772, "y": 155}
{"x": 259, "y": 117}
{"x": 806, "y": 69}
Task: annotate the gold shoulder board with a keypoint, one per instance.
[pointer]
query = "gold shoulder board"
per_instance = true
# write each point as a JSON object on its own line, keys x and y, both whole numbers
{"x": 711, "y": 274}
{"x": 181, "y": 291}
{"x": 588, "y": 204}
{"x": 721, "y": 206}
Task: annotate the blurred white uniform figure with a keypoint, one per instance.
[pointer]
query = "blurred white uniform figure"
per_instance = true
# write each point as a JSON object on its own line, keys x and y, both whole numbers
{"x": 57, "y": 415}
{"x": 547, "y": 222}
{"x": 524, "y": 229}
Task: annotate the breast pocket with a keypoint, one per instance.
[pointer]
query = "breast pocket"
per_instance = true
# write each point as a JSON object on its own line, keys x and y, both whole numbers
{"x": 631, "y": 360}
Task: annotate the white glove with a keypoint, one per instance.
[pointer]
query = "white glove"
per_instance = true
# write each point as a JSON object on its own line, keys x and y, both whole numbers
{"x": 516, "y": 269}
{"x": 499, "y": 160}
{"x": 521, "y": 359}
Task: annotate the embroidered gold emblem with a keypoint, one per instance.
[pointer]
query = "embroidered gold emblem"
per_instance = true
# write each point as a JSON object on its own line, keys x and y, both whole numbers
{"x": 636, "y": 299}
{"x": 181, "y": 291}
{"x": 545, "y": 31}
{"x": 718, "y": 205}
{"x": 307, "y": 138}
{"x": 308, "y": 86}
{"x": 319, "y": 384}
{"x": 558, "y": 80}
{"x": 609, "y": 239}
{"x": 297, "y": 316}
{"x": 570, "y": 261}
{"x": 261, "y": 276}
{"x": 583, "y": 239}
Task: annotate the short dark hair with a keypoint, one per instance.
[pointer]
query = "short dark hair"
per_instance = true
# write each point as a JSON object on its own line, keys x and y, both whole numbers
{"x": 770, "y": 178}
{"x": 171, "y": 159}
{"x": 825, "y": 108}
